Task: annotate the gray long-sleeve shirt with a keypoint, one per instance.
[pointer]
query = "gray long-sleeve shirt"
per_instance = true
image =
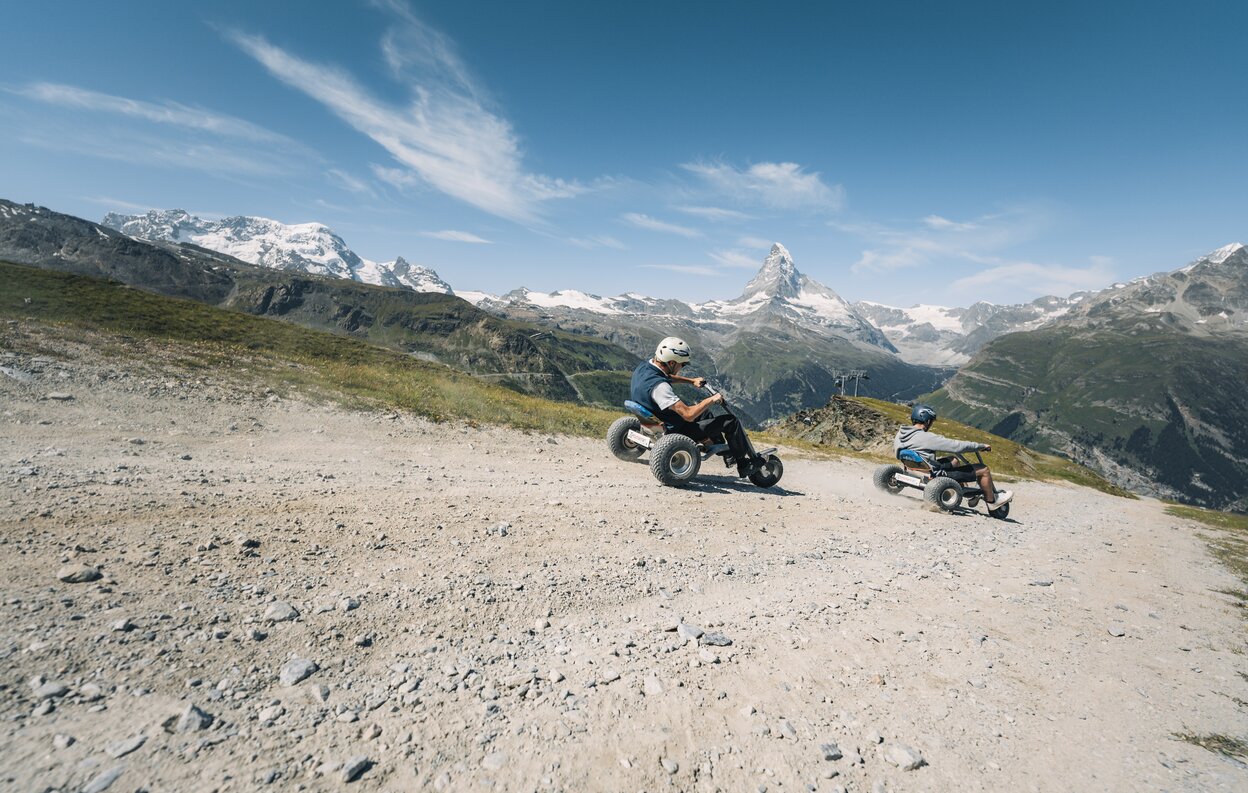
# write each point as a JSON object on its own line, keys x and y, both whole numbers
{"x": 919, "y": 439}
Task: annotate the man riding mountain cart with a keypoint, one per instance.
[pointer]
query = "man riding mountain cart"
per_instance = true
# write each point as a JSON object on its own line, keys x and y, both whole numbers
{"x": 945, "y": 480}
{"x": 678, "y": 435}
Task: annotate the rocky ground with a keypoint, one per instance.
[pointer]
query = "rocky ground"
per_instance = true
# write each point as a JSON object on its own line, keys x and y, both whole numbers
{"x": 210, "y": 587}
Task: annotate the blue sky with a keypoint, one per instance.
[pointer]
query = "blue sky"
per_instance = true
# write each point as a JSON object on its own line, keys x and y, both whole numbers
{"x": 903, "y": 151}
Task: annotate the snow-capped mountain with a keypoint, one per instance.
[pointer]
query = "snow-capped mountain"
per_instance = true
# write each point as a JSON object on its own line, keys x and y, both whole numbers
{"x": 775, "y": 348}
{"x": 936, "y": 335}
{"x": 308, "y": 247}
{"x": 778, "y": 292}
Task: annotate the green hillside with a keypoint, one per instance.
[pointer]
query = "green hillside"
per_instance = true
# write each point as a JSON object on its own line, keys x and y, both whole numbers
{"x": 230, "y": 340}
{"x": 866, "y": 427}
{"x": 1159, "y": 411}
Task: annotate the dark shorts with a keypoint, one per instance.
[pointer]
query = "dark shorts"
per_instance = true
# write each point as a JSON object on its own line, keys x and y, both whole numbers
{"x": 961, "y": 473}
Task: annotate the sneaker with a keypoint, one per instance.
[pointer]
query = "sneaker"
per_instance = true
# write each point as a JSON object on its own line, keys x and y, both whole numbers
{"x": 1003, "y": 497}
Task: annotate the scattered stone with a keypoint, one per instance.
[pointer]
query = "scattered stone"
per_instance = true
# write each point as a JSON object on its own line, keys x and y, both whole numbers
{"x": 652, "y": 687}
{"x": 295, "y": 670}
{"x": 363, "y": 640}
{"x": 669, "y": 765}
{"x": 136, "y": 441}
{"x": 192, "y": 720}
{"x": 874, "y": 738}
{"x": 62, "y": 741}
{"x": 787, "y": 730}
{"x": 79, "y": 574}
{"x": 125, "y": 746}
{"x": 707, "y": 656}
{"x": 50, "y": 690}
{"x": 124, "y": 625}
{"x": 688, "y": 632}
{"x": 977, "y": 682}
{"x": 494, "y": 761}
{"x": 348, "y": 717}
{"x": 348, "y": 604}
{"x": 1116, "y": 630}
{"x": 609, "y": 676}
{"x": 281, "y": 611}
{"x": 104, "y": 780}
{"x": 904, "y": 757}
{"x": 716, "y": 640}
{"x": 1042, "y": 582}
{"x": 59, "y": 396}
{"x": 831, "y": 751}
{"x": 354, "y": 768}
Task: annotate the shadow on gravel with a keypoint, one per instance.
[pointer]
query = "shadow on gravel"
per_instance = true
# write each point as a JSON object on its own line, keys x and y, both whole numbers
{"x": 728, "y": 484}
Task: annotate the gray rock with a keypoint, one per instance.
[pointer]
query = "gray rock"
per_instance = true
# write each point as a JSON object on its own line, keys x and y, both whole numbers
{"x": 348, "y": 604}
{"x": 688, "y": 632}
{"x": 904, "y": 757}
{"x": 716, "y": 640}
{"x": 90, "y": 692}
{"x": 61, "y": 741}
{"x": 50, "y": 690}
{"x": 830, "y": 751}
{"x": 79, "y": 574}
{"x": 295, "y": 670}
{"x": 1042, "y": 582}
{"x": 193, "y": 720}
{"x": 124, "y": 625}
{"x": 669, "y": 765}
{"x": 787, "y": 730}
{"x": 281, "y": 611}
{"x": 874, "y": 737}
{"x": 1116, "y": 630}
{"x": 652, "y": 686}
{"x": 104, "y": 780}
{"x": 354, "y": 768}
{"x": 125, "y": 746}
{"x": 59, "y": 396}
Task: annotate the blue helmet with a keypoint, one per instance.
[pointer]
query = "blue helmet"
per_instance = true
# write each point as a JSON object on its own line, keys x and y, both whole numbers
{"x": 921, "y": 414}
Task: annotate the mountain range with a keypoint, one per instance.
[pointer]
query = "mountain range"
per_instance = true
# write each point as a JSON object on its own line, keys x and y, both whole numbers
{"x": 432, "y": 325}
{"x": 1143, "y": 382}
{"x": 306, "y": 247}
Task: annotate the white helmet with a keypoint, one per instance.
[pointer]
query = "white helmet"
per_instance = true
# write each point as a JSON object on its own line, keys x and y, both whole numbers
{"x": 672, "y": 349}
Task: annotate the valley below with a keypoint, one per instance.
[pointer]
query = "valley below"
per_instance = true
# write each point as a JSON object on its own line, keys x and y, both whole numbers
{"x": 298, "y": 595}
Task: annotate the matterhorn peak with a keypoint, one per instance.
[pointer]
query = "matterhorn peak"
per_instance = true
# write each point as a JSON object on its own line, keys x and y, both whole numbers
{"x": 778, "y": 277}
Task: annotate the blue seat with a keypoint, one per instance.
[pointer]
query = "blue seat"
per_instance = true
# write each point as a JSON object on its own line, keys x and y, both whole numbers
{"x": 913, "y": 458}
{"x": 640, "y": 412}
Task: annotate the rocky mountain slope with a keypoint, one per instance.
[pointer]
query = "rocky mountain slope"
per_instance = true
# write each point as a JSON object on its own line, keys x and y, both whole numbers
{"x": 209, "y": 585}
{"x": 306, "y": 247}
{"x": 434, "y": 325}
{"x": 1143, "y": 382}
{"x": 775, "y": 349}
{"x": 935, "y": 335}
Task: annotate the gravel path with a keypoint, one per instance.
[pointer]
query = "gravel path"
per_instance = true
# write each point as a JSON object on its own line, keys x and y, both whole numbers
{"x": 208, "y": 587}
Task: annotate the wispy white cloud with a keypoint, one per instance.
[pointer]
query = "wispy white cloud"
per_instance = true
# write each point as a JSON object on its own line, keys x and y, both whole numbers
{"x": 598, "y": 241}
{"x": 116, "y": 203}
{"x": 1036, "y": 278}
{"x": 451, "y": 235}
{"x": 446, "y": 136}
{"x": 714, "y": 214}
{"x": 352, "y": 184}
{"x": 687, "y": 269}
{"x": 944, "y": 224}
{"x": 147, "y": 150}
{"x": 775, "y": 185}
{"x": 755, "y": 243}
{"x": 935, "y": 238}
{"x": 736, "y": 259}
{"x": 170, "y": 113}
{"x": 652, "y": 224}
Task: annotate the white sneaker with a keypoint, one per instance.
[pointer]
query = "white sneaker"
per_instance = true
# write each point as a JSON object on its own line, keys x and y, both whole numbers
{"x": 1003, "y": 497}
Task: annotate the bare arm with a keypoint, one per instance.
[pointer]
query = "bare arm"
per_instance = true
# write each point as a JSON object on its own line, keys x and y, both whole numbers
{"x": 696, "y": 382}
{"x": 691, "y": 412}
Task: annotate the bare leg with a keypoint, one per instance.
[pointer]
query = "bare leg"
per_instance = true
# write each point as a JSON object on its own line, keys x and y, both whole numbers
{"x": 985, "y": 483}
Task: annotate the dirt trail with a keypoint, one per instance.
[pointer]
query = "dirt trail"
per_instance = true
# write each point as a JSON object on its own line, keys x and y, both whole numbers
{"x": 488, "y": 609}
